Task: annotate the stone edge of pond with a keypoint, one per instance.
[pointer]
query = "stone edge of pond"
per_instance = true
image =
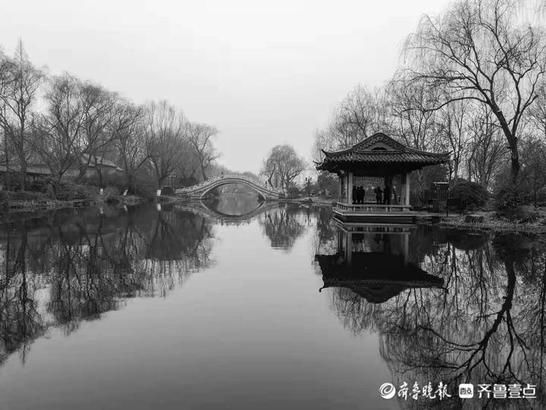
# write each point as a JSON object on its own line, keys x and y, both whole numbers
{"x": 25, "y": 206}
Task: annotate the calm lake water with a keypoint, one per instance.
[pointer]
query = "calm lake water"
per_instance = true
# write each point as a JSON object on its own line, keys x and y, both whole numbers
{"x": 276, "y": 307}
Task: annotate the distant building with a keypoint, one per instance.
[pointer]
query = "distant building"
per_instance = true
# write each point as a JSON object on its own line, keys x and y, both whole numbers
{"x": 36, "y": 168}
{"x": 106, "y": 166}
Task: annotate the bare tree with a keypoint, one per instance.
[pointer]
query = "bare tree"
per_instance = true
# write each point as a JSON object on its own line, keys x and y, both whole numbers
{"x": 486, "y": 147}
{"x": 537, "y": 112}
{"x": 58, "y": 132}
{"x": 97, "y": 136}
{"x": 478, "y": 51}
{"x": 200, "y": 138}
{"x": 130, "y": 139}
{"x": 164, "y": 131}
{"x": 453, "y": 130}
{"x": 189, "y": 171}
{"x": 413, "y": 122}
{"x": 5, "y": 79}
{"x": 282, "y": 166}
{"x": 359, "y": 115}
{"x": 533, "y": 173}
{"x": 21, "y": 83}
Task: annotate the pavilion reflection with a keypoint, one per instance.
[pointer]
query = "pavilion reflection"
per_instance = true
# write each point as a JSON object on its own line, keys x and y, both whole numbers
{"x": 374, "y": 262}
{"x": 488, "y": 326}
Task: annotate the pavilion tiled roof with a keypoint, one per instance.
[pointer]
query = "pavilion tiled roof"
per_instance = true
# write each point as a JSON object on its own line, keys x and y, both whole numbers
{"x": 380, "y": 150}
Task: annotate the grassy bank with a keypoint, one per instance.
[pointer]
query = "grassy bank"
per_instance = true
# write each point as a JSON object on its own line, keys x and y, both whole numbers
{"x": 490, "y": 221}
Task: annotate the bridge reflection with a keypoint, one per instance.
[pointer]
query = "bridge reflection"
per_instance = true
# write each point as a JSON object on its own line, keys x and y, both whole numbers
{"x": 374, "y": 262}
{"x": 202, "y": 208}
{"x": 282, "y": 224}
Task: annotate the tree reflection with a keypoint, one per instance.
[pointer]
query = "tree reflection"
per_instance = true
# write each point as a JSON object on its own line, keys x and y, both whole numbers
{"x": 283, "y": 225}
{"x": 20, "y": 321}
{"x": 486, "y": 327}
{"x": 60, "y": 274}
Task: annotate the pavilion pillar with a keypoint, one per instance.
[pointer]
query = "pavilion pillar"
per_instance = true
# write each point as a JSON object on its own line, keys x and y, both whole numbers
{"x": 407, "y": 189}
{"x": 350, "y": 188}
{"x": 344, "y": 191}
{"x": 403, "y": 185}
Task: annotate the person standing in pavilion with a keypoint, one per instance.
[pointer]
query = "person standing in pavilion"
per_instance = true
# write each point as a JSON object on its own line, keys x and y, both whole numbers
{"x": 378, "y": 194}
{"x": 387, "y": 195}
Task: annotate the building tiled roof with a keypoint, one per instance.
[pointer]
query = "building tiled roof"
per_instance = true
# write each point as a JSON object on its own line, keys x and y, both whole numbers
{"x": 380, "y": 150}
{"x": 31, "y": 169}
{"x": 101, "y": 161}
{"x": 35, "y": 166}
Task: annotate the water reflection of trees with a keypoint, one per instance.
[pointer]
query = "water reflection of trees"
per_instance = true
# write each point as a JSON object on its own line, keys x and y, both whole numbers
{"x": 285, "y": 224}
{"x": 19, "y": 317}
{"x": 58, "y": 274}
{"x": 487, "y": 327}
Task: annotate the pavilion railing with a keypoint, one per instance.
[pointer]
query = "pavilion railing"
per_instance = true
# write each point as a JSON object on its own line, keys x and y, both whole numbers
{"x": 371, "y": 208}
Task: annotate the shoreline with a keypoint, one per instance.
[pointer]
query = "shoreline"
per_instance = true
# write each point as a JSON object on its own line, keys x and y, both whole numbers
{"x": 29, "y": 206}
{"x": 455, "y": 221}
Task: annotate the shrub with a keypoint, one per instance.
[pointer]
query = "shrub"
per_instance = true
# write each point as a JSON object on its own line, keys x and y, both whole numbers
{"x": 510, "y": 202}
{"x": 67, "y": 191}
{"x": 38, "y": 185}
{"x": 327, "y": 185}
{"x": 541, "y": 196}
{"x": 293, "y": 192}
{"x": 465, "y": 195}
{"x": 25, "y": 196}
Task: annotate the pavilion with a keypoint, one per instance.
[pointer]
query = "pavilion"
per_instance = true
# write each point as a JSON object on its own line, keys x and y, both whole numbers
{"x": 380, "y": 167}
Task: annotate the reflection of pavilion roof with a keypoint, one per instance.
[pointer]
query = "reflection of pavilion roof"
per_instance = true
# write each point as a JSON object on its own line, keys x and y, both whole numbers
{"x": 377, "y": 277}
{"x": 379, "y": 150}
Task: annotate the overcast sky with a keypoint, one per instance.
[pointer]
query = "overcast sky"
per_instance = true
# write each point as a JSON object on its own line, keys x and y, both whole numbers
{"x": 263, "y": 72}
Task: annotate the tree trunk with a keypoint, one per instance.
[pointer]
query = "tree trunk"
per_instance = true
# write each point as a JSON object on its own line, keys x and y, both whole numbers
{"x": 6, "y": 159}
{"x": 98, "y": 170}
{"x": 510, "y": 135}
{"x": 22, "y": 157}
{"x": 129, "y": 180}
{"x": 515, "y": 165}
{"x": 160, "y": 180}
{"x": 23, "y": 180}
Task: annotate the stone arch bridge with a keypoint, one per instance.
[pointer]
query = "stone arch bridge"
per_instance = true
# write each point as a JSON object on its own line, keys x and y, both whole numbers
{"x": 201, "y": 190}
